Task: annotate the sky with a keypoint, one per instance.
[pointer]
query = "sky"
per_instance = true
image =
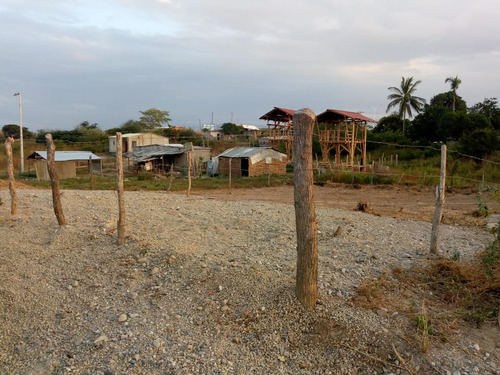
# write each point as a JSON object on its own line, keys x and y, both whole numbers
{"x": 105, "y": 61}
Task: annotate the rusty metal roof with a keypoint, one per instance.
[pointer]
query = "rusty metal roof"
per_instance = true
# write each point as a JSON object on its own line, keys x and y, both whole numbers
{"x": 335, "y": 115}
{"x": 279, "y": 114}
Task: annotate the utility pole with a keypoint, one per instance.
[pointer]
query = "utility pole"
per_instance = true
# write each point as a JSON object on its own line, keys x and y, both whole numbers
{"x": 21, "y": 129}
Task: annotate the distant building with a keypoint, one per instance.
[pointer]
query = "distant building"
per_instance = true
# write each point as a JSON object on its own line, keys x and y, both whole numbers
{"x": 66, "y": 163}
{"x": 252, "y": 131}
{"x": 132, "y": 140}
{"x": 163, "y": 157}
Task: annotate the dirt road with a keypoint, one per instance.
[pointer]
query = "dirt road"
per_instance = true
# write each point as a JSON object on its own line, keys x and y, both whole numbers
{"x": 402, "y": 202}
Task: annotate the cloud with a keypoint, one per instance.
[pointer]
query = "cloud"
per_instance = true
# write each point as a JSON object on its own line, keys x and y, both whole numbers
{"x": 106, "y": 62}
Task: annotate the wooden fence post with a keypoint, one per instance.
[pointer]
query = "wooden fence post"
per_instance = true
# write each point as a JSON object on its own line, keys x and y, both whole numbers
{"x": 91, "y": 173}
{"x": 440, "y": 190}
{"x": 54, "y": 179}
{"x": 171, "y": 177}
{"x": 306, "y": 288}
{"x": 10, "y": 170}
{"x": 119, "y": 180}
{"x": 189, "y": 172}
{"x": 230, "y": 172}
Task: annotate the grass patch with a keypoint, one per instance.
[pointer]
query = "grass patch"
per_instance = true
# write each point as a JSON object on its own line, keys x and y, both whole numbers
{"x": 438, "y": 294}
{"x": 149, "y": 181}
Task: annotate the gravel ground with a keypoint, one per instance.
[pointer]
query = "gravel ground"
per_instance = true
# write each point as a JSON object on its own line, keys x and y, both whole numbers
{"x": 206, "y": 286}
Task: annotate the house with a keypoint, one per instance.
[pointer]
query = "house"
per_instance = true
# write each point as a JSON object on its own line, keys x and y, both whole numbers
{"x": 162, "y": 157}
{"x": 132, "y": 140}
{"x": 66, "y": 163}
{"x": 251, "y": 161}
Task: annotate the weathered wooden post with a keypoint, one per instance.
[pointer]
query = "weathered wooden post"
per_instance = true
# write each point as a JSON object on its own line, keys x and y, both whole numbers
{"x": 121, "y": 199}
{"x": 440, "y": 190}
{"x": 171, "y": 177}
{"x": 230, "y": 173}
{"x": 10, "y": 170}
{"x": 189, "y": 172}
{"x": 54, "y": 179}
{"x": 91, "y": 167}
{"x": 306, "y": 287}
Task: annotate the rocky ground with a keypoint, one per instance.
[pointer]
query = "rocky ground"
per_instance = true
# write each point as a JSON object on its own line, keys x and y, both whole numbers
{"x": 205, "y": 285}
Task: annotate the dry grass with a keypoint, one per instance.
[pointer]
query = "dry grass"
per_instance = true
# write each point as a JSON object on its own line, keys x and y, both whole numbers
{"x": 439, "y": 294}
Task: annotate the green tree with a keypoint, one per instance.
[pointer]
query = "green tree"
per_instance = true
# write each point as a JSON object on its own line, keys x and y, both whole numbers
{"x": 229, "y": 128}
{"x": 403, "y": 97}
{"x": 154, "y": 118}
{"x": 423, "y": 128}
{"x": 480, "y": 142}
{"x": 489, "y": 108}
{"x": 453, "y": 125}
{"x": 13, "y": 130}
{"x": 454, "y": 83}
{"x": 445, "y": 100}
{"x": 130, "y": 126}
{"x": 391, "y": 123}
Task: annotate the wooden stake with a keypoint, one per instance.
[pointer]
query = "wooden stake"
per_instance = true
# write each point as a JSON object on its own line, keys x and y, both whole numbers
{"x": 10, "y": 170}
{"x": 440, "y": 190}
{"x": 91, "y": 173}
{"x": 120, "y": 189}
{"x": 306, "y": 288}
{"x": 54, "y": 180}
{"x": 230, "y": 170}
{"x": 189, "y": 172}
{"x": 171, "y": 177}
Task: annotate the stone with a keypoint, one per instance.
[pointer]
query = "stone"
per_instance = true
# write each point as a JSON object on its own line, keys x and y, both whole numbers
{"x": 101, "y": 339}
{"x": 122, "y": 318}
{"x": 154, "y": 271}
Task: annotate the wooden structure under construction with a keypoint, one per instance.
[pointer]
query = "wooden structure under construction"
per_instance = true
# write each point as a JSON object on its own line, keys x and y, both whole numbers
{"x": 279, "y": 122}
{"x": 343, "y": 131}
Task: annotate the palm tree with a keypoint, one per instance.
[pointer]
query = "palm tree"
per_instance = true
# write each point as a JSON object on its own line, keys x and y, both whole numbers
{"x": 454, "y": 83}
{"x": 403, "y": 98}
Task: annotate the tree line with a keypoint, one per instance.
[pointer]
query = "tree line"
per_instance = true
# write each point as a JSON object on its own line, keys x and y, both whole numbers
{"x": 446, "y": 118}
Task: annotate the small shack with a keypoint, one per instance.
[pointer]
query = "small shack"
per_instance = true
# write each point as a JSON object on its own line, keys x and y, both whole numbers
{"x": 251, "y": 161}
{"x": 66, "y": 163}
{"x": 163, "y": 157}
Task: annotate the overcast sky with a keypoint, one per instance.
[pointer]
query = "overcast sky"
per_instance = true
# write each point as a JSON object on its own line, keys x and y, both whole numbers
{"x": 104, "y": 61}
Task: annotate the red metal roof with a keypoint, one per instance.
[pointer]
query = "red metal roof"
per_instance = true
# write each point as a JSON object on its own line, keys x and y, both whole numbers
{"x": 278, "y": 113}
{"x": 322, "y": 117}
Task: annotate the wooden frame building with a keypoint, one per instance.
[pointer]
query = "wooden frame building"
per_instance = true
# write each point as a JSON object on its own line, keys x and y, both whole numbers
{"x": 279, "y": 122}
{"x": 343, "y": 131}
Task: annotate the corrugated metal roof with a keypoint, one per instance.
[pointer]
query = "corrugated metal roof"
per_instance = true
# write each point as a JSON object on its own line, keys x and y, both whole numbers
{"x": 65, "y": 155}
{"x": 255, "y": 154}
{"x": 145, "y": 153}
{"x": 242, "y": 152}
